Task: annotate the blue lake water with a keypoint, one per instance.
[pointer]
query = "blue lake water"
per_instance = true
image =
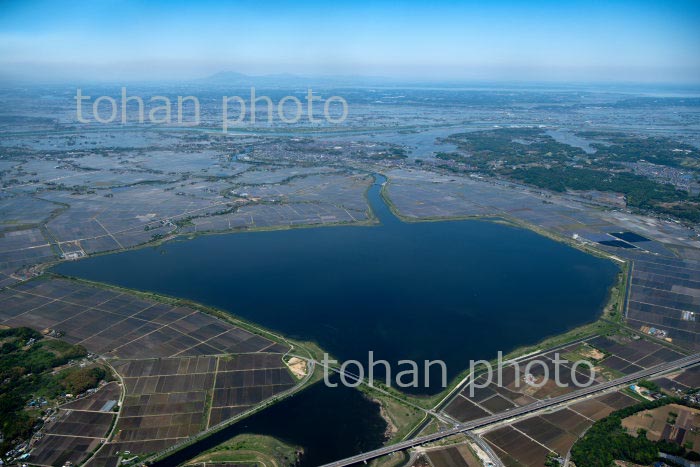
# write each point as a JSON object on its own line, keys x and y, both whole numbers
{"x": 452, "y": 290}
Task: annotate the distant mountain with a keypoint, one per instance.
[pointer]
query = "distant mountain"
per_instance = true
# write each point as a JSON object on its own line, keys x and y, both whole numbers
{"x": 227, "y": 77}
{"x": 232, "y": 78}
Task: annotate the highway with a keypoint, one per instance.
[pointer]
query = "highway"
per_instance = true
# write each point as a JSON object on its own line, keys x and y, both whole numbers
{"x": 515, "y": 412}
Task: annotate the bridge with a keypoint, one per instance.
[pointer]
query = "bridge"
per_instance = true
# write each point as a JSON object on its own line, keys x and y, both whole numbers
{"x": 515, "y": 412}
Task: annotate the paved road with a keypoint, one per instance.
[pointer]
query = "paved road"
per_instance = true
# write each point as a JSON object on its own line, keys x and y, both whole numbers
{"x": 535, "y": 406}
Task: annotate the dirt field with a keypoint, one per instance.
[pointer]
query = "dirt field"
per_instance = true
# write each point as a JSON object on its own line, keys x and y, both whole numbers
{"x": 77, "y": 430}
{"x": 528, "y": 441}
{"x": 176, "y": 363}
{"x": 454, "y": 456}
{"x": 675, "y": 423}
{"x": 297, "y": 366}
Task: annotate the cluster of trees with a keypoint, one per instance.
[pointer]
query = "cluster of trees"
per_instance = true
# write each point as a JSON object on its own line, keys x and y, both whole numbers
{"x": 79, "y": 380}
{"x": 650, "y": 385}
{"x": 618, "y": 147}
{"x": 27, "y": 362}
{"x": 607, "y": 441}
{"x": 16, "y": 356}
{"x": 532, "y": 156}
{"x": 513, "y": 146}
{"x": 640, "y": 192}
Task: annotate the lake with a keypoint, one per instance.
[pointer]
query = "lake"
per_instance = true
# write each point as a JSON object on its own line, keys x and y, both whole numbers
{"x": 452, "y": 290}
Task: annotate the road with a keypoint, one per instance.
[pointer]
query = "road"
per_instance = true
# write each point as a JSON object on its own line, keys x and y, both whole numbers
{"x": 535, "y": 406}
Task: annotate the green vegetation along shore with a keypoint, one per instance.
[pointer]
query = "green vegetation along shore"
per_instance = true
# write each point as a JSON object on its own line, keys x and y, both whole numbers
{"x": 36, "y": 375}
{"x": 249, "y": 449}
{"x": 607, "y": 441}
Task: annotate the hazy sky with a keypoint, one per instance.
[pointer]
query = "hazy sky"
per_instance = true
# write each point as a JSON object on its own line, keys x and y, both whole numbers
{"x": 503, "y": 40}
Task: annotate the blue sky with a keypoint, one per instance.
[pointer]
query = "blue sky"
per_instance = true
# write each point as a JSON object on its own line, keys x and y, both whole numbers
{"x": 650, "y": 41}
